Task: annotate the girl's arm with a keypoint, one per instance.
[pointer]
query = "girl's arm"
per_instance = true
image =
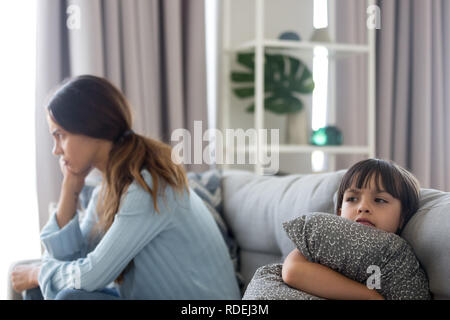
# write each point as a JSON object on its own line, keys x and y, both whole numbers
{"x": 322, "y": 281}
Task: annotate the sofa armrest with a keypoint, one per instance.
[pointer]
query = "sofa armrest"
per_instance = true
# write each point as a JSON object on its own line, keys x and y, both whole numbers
{"x": 11, "y": 294}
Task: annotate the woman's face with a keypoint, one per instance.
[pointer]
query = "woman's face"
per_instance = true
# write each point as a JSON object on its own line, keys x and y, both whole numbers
{"x": 372, "y": 207}
{"x": 77, "y": 151}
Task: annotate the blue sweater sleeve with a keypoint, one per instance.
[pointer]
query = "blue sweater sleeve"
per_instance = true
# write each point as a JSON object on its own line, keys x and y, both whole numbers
{"x": 72, "y": 241}
{"x": 135, "y": 225}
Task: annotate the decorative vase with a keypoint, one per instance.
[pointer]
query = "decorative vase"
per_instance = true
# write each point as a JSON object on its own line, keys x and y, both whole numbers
{"x": 327, "y": 136}
{"x": 297, "y": 128}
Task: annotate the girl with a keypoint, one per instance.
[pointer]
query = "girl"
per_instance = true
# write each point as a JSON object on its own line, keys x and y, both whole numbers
{"x": 373, "y": 192}
{"x": 143, "y": 223}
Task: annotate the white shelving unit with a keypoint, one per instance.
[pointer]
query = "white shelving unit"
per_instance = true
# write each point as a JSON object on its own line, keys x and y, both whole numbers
{"x": 260, "y": 45}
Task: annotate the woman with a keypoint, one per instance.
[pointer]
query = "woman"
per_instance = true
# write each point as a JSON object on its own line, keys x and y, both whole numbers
{"x": 143, "y": 227}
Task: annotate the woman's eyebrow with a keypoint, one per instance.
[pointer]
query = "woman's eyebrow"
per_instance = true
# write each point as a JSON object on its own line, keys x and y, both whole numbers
{"x": 353, "y": 190}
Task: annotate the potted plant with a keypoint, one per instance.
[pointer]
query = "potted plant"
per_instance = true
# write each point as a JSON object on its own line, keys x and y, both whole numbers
{"x": 285, "y": 79}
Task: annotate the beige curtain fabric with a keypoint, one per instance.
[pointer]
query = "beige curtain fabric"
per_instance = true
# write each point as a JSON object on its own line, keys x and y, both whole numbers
{"x": 52, "y": 66}
{"x": 412, "y": 96}
{"x": 412, "y": 88}
{"x": 153, "y": 50}
{"x": 351, "y": 79}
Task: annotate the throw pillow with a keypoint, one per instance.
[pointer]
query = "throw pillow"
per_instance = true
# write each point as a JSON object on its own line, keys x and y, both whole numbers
{"x": 209, "y": 188}
{"x": 353, "y": 250}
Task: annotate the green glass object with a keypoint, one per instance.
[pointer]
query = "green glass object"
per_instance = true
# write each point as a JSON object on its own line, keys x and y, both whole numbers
{"x": 327, "y": 136}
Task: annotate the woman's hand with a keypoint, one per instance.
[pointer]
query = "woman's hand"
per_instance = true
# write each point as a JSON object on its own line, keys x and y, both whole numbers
{"x": 71, "y": 187}
{"x": 24, "y": 277}
{"x": 73, "y": 182}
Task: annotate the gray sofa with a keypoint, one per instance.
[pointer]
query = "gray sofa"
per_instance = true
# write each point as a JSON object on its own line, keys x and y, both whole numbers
{"x": 255, "y": 206}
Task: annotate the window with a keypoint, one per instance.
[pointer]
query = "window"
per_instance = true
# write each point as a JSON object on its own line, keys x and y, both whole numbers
{"x": 19, "y": 224}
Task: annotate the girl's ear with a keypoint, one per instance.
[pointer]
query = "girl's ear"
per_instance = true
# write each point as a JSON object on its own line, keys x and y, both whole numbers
{"x": 402, "y": 220}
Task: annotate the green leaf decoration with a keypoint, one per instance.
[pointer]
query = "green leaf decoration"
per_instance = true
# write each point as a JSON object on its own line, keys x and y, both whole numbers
{"x": 247, "y": 60}
{"x": 242, "y": 76}
{"x": 284, "y": 76}
{"x": 245, "y": 92}
{"x": 280, "y": 105}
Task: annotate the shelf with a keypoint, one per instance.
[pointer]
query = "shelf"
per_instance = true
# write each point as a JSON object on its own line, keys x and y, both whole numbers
{"x": 310, "y": 148}
{"x": 334, "y": 49}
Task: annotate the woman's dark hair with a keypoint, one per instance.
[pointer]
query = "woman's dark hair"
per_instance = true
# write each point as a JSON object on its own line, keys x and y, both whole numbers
{"x": 92, "y": 106}
{"x": 397, "y": 181}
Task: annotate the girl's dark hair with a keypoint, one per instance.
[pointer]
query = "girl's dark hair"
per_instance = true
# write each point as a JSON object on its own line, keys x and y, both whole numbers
{"x": 92, "y": 106}
{"x": 397, "y": 181}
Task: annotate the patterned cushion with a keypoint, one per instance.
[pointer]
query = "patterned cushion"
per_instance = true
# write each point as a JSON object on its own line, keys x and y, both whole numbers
{"x": 208, "y": 187}
{"x": 351, "y": 248}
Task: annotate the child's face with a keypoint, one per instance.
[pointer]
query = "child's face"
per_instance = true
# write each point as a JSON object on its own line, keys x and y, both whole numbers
{"x": 372, "y": 207}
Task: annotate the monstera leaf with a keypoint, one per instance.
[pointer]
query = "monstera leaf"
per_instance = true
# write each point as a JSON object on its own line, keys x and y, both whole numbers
{"x": 284, "y": 76}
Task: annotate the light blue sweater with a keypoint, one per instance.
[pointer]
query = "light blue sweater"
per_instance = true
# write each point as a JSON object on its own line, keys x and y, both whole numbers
{"x": 177, "y": 253}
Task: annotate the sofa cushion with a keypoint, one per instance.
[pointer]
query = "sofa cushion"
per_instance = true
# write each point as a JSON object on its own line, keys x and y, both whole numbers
{"x": 357, "y": 250}
{"x": 428, "y": 232}
{"x": 258, "y": 205}
{"x": 207, "y": 185}
{"x": 306, "y": 193}
{"x": 251, "y": 260}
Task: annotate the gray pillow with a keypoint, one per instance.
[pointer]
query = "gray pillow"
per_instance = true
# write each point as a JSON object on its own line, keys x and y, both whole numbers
{"x": 351, "y": 248}
{"x": 207, "y": 185}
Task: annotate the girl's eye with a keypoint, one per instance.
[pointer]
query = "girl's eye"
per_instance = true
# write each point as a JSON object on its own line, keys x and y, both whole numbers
{"x": 380, "y": 200}
{"x": 350, "y": 199}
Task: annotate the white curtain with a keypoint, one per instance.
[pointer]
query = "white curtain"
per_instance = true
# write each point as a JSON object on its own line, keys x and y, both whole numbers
{"x": 19, "y": 237}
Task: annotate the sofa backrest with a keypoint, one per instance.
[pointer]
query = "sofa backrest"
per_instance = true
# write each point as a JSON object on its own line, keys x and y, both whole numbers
{"x": 428, "y": 232}
{"x": 256, "y": 206}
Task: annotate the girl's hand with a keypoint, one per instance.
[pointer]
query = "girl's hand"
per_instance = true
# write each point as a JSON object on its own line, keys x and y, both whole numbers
{"x": 72, "y": 181}
{"x": 24, "y": 277}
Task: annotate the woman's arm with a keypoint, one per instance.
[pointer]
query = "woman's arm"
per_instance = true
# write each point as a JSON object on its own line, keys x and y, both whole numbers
{"x": 322, "y": 281}
{"x": 134, "y": 226}
{"x": 70, "y": 190}
{"x": 25, "y": 276}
